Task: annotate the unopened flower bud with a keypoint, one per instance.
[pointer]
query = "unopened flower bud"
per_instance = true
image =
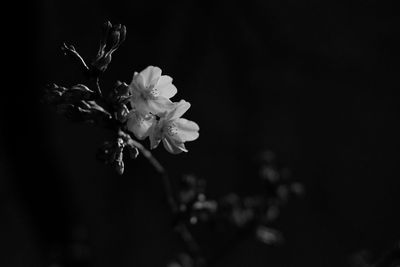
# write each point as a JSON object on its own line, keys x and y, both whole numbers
{"x": 122, "y": 113}
{"x": 121, "y": 89}
{"x": 119, "y": 159}
{"x": 105, "y": 30}
{"x": 112, "y": 38}
{"x": 120, "y": 94}
{"x": 115, "y": 35}
{"x": 55, "y": 87}
{"x": 77, "y": 93}
{"x": 119, "y": 167}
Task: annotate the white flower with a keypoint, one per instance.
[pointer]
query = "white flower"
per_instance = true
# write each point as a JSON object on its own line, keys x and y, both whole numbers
{"x": 151, "y": 91}
{"x": 173, "y": 130}
{"x": 140, "y": 124}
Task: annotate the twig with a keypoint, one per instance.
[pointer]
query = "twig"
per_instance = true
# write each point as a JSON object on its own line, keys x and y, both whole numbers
{"x": 98, "y": 89}
{"x": 161, "y": 170}
{"x": 191, "y": 244}
{"x": 69, "y": 50}
{"x": 187, "y": 238}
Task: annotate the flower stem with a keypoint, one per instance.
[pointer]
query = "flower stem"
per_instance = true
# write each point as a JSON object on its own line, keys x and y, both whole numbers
{"x": 70, "y": 51}
{"x": 98, "y": 89}
{"x": 161, "y": 170}
{"x": 191, "y": 244}
{"x": 186, "y": 236}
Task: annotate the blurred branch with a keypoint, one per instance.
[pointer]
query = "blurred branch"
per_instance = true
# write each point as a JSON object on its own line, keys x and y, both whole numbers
{"x": 390, "y": 258}
{"x": 181, "y": 228}
{"x": 161, "y": 170}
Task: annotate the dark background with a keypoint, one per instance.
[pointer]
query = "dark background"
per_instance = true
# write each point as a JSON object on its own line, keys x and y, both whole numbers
{"x": 315, "y": 81}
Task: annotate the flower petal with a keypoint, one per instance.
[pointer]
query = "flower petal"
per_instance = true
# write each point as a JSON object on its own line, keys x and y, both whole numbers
{"x": 180, "y": 108}
{"x": 160, "y": 105}
{"x": 154, "y": 142}
{"x": 137, "y": 82}
{"x": 173, "y": 147}
{"x": 155, "y": 135}
{"x": 165, "y": 87}
{"x": 140, "y": 105}
{"x": 150, "y": 76}
{"x": 139, "y": 125}
{"x": 187, "y": 130}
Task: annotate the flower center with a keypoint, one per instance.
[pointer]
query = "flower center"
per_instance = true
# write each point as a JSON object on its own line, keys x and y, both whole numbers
{"x": 154, "y": 92}
{"x": 171, "y": 130}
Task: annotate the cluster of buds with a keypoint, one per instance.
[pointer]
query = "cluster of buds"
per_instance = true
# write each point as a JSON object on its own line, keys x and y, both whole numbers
{"x": 113, "y": 37}
{"x": 194, "y": 206}
{"x": 111, "y": 40}
{"x": 262, "y": 210}
{"x": 119, "y": 98}
{"x": 112, "y": 153}
{"x": 234, "y": 214}
{"x": 76, "y": 103}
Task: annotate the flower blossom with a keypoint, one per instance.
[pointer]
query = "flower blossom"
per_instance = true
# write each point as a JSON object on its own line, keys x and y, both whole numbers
{"x": 173, "y": 130}
{"x": 139, "y": 124}
{"x": 151, "y": 91}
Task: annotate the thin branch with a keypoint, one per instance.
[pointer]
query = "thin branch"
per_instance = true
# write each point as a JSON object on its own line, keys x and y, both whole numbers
{"x": 187, "y": 238}
{"x": 191, "y": 244}
{"x": 98, "y": 89}
{"x": 69, "y": 50}
{"x": 161, "y": 170}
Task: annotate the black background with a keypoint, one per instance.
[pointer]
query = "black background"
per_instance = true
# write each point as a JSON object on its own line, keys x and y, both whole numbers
{"x": 315, "y": 81}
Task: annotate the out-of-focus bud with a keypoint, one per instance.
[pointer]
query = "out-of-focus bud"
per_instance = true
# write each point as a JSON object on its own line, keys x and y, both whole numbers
{"x": 113, "y": 37}
{"x": 268, "y": 156}
{"x": 282, "y": 192}
{"x": 203, "y": 209}
{"x": 268, "y": 235}
{"x": 297, "y": 189}
{"x": 267, "y": 172}
{"x": 240, "y": 217}
{"x": 272, "y": 213}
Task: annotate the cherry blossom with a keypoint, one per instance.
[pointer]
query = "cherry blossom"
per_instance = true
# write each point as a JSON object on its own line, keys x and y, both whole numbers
{"x": 140, "y": 124}
{"x": 151, "y": 91}
{"x": 173, "y": 130}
